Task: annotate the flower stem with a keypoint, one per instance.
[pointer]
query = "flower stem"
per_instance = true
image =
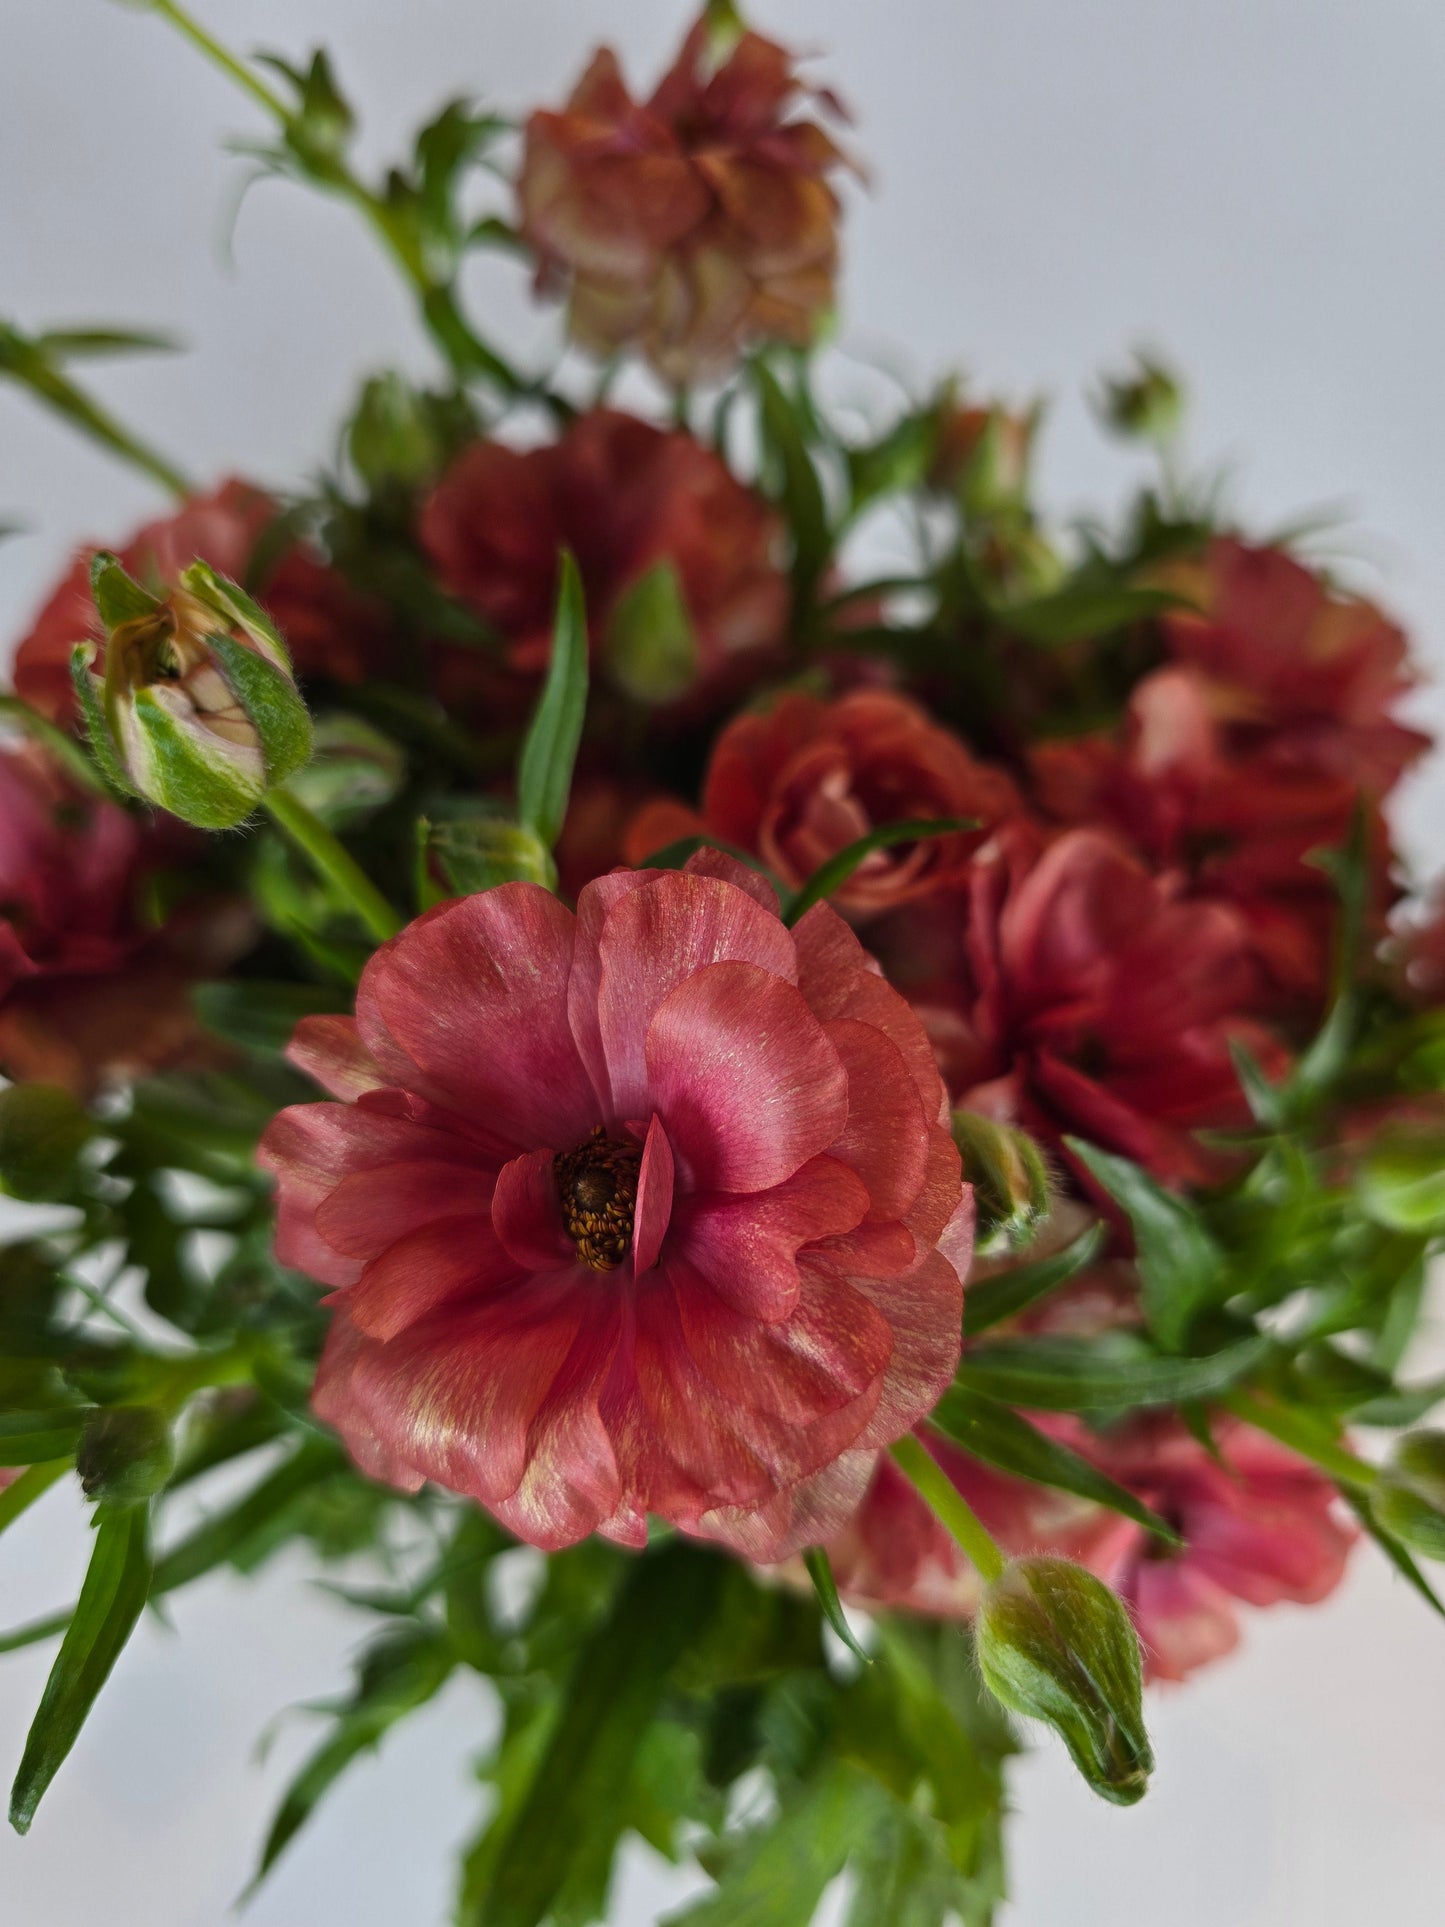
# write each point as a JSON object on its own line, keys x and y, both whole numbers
{"x": 1302, "y": 1433}
{"x": 332, "y": 863}
{"x": 942, "y": 1496}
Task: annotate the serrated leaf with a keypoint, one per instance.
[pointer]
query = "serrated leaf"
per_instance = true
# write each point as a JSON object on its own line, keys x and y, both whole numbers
{"x": 833, "y": 874}
{"x": 117, "y": 1583}
{"x": 1007, "y": 1440}
{"x": 1075, "y": 1375}
{"x": 544, "y": 774}
{"x": 1182, "y": 1268}
{"x": 991, "y": 1300}
{"x": 820, "y": 1571}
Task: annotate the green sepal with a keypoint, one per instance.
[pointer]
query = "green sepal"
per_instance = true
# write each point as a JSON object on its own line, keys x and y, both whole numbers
{"x": 270, "y": 699}
{"x": 230, "y": 601}
{"x": 119, "y": 598}
{"x": 200, "y": 789}
{"x": 97, "y": 729}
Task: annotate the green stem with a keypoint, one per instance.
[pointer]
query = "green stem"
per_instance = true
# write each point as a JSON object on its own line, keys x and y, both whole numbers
{"x": 333, "y": 864}
{"x": 219, "y": 56}
{"x": 943, "y": 1497}
{"x": 1303, "y": 1434}
{"x": 26, "y": 364}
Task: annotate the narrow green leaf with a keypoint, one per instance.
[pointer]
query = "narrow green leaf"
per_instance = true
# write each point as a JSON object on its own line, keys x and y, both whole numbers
{"x": 574, "y": 1806}
{"x": 76, "y": 344}
{"x": 224, "y": 1537}
{"x": 116, "y": 1586}
{"x": 30, "y": 1438}
{"x": 1074, "y": 1375}
{"x": 1005, "y": 1439}
{"x": 991, "y": 1300}
{"x": 262, "y": 1016}
{"x": 1182, "y": 1268}
{"x": 820, "y": 1571}
{"x": 1399, "y": 1558}
{"x": 544, "y": 775}
{"x": 34, "y": 1482}
{"x": 802, "y": 492}
{"x": 837, "y": 870}
{"x": 1084, "y": 610}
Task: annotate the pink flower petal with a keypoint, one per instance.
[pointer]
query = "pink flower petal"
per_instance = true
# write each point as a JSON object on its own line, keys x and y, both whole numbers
{"x": 887, "y": 1134}
{"x": 526, "y": 1217}
{"x": 717, "y": 863}
{"x": 422, "y": 1270}
{"x": 330, "y": 1050}
{"x": 809, "y": 1513}
{"x": 369, "y": 1210}
{"x": 594, "y": 906}
{"x": 654, "y": 1198}
{"x": 747, "y": 1247}
{"x": 744, "y": 1077}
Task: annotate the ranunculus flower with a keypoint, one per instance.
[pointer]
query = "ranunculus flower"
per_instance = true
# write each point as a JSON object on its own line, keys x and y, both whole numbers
{"x": 1262, "y": 1526}
{"x": 1307, "y": 676}
{"x": 331, "y": 632}
{"x": 692, "y": 223}
{"x": 89, "y": 989}
{"x": 648, "y": 1209}
{"x": 629, "y": 501}
{"x": 1071, "y": 991}
{"x": 799, "y": 781}
{"x": 895, "y": 1552}
{"x": 1237, "y": 827}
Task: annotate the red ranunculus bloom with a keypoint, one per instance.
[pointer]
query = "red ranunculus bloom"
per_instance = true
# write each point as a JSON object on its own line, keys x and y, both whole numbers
{"x": 1071, "y": 991}
{"x": 648, "y": 1209}
{"x": 1261, "y": 1527}
{"x": 690, "y": 224}
{"x": 88, "y": 989}
{"x": 1306, "y": 676}
{"x": 799, "y": 781}
{"x": 625, "y": 498}
{"x": 895, "y": 1551}
{"x": 330, "y": 631}
{"x": 1240, "y": 828}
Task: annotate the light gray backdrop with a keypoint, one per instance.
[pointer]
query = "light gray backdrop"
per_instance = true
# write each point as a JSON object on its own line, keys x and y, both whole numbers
{"x": 1252, "y": 185}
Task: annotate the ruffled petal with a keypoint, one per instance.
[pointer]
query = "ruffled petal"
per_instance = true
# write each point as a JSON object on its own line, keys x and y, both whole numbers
{"x": 746, "y": 1248}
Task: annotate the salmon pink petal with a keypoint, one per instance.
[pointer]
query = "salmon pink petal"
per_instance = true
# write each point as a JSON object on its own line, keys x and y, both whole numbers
{"x": 370, "y": 1210}
{"x": 727, "y": 869}
{"x": 332, "y": 1402}
{"x": 653, "y": 1210}
{"x": 809, "y": 1513}
{"x": 925, "y": 1314}
{"x": 886, "y": 1139}
{"x": 659, "y": 937}
{"x": 745, "y": 1078}
{"x": 526, "y": 1217}
{"x": 330, "y": 1051}
{"x": 594, "y": 906}
{"x": 422, "y": 1270}
{"x": 1184, "y": 1620}
{"x": 746, "y": 1248}
{"x": 475, "y": 993}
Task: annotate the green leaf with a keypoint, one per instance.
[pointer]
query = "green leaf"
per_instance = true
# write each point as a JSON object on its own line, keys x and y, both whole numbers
{"x": 544, "y": 775}
{"x": 42, "y": 1133}
{"x": 825, "y": 1585}
{"x": 228, "y": 1535}
{"x": 1076, "y": 1375}
{"x": 801, "y": 490}
{"x": 77, "y": 344}
{"x": 651, "y": 647}
{"x": 397, "y": 1676}
{"x": 1182, "y": 1268}
{"x": 259, "y": 1016}
{"x": 1005, "y": 1439}
{"x": 836, "y": 871}
{"x": 30, "y": 1438}
{"x": 1397, "y": 1555}
{"x": 575, "y": 1804}
{"x": 992, "y": 1300}
{"x": 1082, "y": 611}
{"x": 116, "y": 1586}
{"x": 776, "y": 1874}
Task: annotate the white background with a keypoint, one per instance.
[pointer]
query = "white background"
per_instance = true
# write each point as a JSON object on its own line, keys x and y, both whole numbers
{"x": 1254, "y": 186}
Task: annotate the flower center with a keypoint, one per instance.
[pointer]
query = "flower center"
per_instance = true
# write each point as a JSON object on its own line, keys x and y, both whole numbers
{"x": 597, "y": 1190}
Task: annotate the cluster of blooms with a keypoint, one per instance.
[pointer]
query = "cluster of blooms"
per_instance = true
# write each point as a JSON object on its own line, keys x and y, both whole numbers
{"x": 651, "y": 1207}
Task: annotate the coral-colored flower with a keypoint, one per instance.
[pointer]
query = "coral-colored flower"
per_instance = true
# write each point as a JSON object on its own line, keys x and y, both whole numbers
{"x": 1238, "y": 827}
{"x": 1261, "y": 1527}
{"x": 626, "y": 499}
{"x": 330, "y": 631}
{"x": 89, "y": 990}
{"x": 646, "y": 1210}
{"x": 1309, "y": 677}
{"x": 692, "y": 223}
{"x": 895, "y": 1552}
{"x": 1071, "y": 991}
{"x": 799, "y": 781}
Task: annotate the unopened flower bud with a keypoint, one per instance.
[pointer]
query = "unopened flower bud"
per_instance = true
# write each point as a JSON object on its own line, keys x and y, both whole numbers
{"x": 465, "y": 854}
{"x": 1145, "y": 404}
{"x": 1408, "y": 1499}
{"x": 195, "y": 708}
{"x": 1054, "y": 1643}
{"x": 650, "y": 648}
{"x": 1402, "y": 1179}
{"x": 126, "y": 1454}
{"x": 1009, "y": 1177}
{"x": 982, "y": 457}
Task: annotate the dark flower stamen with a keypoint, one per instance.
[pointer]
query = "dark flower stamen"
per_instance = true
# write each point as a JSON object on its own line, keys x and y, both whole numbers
{"x": 597, "y": 1190}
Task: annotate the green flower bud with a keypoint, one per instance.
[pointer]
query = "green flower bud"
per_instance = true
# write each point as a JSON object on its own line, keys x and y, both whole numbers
{"x": 1009, "y": 1177}
{"x": 1401, "y": 1182}
{"x": 1408, "y": 1499}
{"x": 1146, "y": 404}
{"x": 1054, "y": 1643}
{"x": 126, "y": 1454}
{"x": 393, "y": 439}
{"x": 650, "y": 649}
{"x": 42, "y": 1132}
{"x": 195, "y": 708}
{"x": 465, "y": 854}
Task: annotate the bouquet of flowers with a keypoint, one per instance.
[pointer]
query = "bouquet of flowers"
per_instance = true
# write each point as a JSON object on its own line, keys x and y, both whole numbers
{"x": 803, "y": 1114}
